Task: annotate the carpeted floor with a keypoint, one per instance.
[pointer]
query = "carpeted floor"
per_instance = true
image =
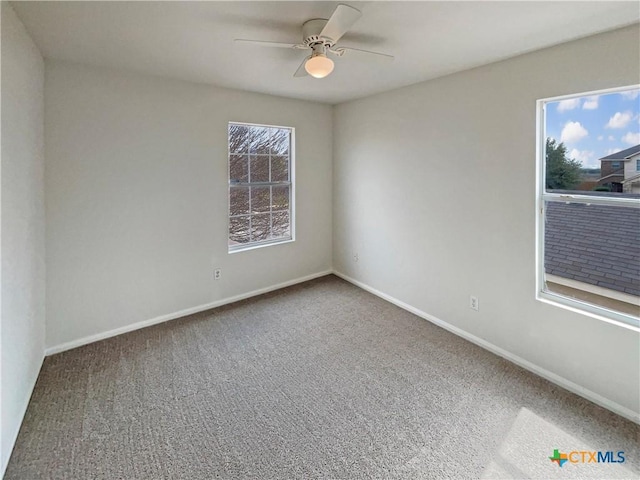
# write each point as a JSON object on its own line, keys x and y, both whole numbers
{"x": 320, "y": 380}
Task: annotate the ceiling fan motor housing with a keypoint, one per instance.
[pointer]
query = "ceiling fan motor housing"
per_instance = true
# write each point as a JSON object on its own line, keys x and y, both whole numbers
{"x": 311, "y": 30}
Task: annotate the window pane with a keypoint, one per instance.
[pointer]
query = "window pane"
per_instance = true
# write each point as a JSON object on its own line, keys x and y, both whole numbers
{"x": 259, "y": 155}
{"x": 280, "y": 142}
{"x": 279, "y": 169}
{"x": 583, "y": 152}
{"x": 238, "y": 230}
{"x": 592, "y": 253}
{"x": 259, "y": 168}
{"x": 238, "y": 138}
{"x": 238, "y": 168}
{"x": 238, "y": 200}
{"x": 280, "y": 199}
{"x": 260, "y": 199}
{"x": 260, "y": 227}
{"x": 260, "y": 140}
{"x": 281, "y": 226}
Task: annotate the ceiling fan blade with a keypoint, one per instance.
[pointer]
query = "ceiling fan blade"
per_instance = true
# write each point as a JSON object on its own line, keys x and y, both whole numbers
{"x": 366, "y": 55}
{"x": 301, "y": 72}
{"x": 273, "y": 44}
{"x": 343, "y": 17}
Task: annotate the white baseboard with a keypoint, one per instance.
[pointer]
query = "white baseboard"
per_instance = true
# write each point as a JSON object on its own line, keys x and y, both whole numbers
{"x": 182, "y": 313}
{"x": 552, "y": 377}
{"x": 14, "y": 436}
{"x": 527, "y": 365}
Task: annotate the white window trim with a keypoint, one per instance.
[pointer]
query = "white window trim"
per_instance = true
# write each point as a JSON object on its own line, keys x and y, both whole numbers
{"x": 574, "y": 305}
{"x": 594, "y": 289}
{"x": 292, "y": 193}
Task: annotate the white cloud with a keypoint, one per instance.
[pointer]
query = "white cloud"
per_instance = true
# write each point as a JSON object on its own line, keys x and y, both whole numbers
{"x": 630, "y": 95}
{"x": 611, "y": 138}
{"x": 591, "y": 103}
{"x": 568, "y": 104}
{"x": 573, "y": 132}
{"x": 583, "y": 156}
{"x": 619, "y": 120}
{"x": 632, "y": 138}
{"x": 613, "y": 150}
{"x": 600, "y": 137}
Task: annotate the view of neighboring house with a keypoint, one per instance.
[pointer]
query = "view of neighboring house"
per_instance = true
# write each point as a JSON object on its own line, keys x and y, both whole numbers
{"x": 620, "y": 171}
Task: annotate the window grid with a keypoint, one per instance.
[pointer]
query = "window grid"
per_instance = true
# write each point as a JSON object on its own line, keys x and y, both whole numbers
{"x": 250, "y": 185}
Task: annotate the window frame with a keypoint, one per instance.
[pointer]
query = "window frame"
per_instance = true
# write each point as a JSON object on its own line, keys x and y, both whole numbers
{"x": 231, "y": 249}
{"x": 543, "y": 295}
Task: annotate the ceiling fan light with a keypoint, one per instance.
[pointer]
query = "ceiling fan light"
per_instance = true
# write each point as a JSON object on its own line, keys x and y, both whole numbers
{"x": 319, "y": 66}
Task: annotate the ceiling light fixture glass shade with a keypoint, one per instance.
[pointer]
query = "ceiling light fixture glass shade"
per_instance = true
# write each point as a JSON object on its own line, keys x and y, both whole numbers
{"x": 319, "y": 66}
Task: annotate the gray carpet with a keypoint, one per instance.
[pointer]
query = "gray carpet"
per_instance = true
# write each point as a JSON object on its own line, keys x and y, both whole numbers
{"x": 320, "y": 380}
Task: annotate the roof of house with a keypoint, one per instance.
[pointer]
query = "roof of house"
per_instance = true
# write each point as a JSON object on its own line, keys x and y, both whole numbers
{"x": 594, "y": 244}
{"x": 623, "y": 154}
{"x": 613, "y": 176}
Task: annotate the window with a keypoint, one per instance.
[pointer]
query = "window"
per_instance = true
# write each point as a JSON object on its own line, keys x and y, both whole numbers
{"x": 588, "y": 220}
{"x": 260, "y": 185}
{"x": 638, "y": 165}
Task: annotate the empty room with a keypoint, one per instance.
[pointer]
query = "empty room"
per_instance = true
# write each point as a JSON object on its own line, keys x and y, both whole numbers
{"x": 300, "y": 239}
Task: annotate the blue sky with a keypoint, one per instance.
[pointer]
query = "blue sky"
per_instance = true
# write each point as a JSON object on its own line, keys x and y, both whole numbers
{"x": 595, "y": 126}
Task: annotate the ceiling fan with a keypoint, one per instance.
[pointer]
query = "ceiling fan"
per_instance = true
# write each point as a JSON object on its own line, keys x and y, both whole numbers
{"x": 320, "y": 36}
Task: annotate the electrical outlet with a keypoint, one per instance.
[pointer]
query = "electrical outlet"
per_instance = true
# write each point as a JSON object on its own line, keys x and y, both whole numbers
{"x": 217, "y": 273}
{"x": 474, "y": 303}
{"x": 355, "y": 257}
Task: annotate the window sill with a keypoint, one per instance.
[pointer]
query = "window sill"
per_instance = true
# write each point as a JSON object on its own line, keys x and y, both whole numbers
{"x": 576, "y": 306}
{"x": 256, "y": 246}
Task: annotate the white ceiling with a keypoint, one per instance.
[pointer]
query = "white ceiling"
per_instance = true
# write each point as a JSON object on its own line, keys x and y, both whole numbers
{"x": 194, "y": 40}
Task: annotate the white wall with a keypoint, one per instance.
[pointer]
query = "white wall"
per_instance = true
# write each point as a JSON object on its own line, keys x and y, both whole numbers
{"x": 630, "y": 167}
{"x": 136, "y": 193}
{"x": 22, "y": 199}
{"x": 434, "y": 189}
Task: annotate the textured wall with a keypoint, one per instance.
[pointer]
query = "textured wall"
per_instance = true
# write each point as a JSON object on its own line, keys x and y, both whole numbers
{"x": 434, "y": 189}
{"x": 137, "y": 203}
{"x": 23, "y": 268}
